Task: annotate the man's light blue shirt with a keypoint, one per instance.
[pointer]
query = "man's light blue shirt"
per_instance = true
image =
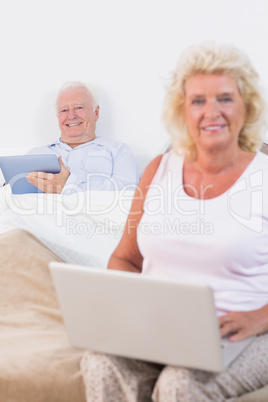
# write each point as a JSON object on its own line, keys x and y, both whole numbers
{"x": 99, "y": 164}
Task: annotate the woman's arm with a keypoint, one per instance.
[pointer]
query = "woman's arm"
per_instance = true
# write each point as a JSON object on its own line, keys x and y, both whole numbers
{"x": 127, "y": 256}
{"x": 243, "y": 324}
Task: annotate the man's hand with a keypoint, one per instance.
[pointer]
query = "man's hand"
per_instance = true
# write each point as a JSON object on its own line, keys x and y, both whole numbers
{"x": 50, "y": 182}
{"x": 240, "y": 325}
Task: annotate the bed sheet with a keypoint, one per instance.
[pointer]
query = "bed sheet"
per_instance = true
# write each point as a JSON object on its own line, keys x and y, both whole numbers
{"x": 82, "y": 228}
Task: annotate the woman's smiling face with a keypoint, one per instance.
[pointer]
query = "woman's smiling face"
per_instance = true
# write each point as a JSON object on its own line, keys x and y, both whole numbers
{"x": 214, "y": 111}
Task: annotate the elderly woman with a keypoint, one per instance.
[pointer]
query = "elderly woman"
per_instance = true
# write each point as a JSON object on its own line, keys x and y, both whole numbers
{"x": 209, "y": 195}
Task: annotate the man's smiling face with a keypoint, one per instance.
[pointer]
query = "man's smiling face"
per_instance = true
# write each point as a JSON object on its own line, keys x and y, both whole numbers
{"x": 77, "y": 116}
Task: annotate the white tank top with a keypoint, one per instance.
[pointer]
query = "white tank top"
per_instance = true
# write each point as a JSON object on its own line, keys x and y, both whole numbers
{"x": 222, "y": 242}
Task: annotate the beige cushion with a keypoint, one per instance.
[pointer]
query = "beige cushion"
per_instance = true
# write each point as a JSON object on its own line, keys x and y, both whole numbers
{"x": 37, "y": 362}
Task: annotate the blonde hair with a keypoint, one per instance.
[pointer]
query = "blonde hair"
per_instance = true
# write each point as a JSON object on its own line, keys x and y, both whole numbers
{"x": 209, "y": 58}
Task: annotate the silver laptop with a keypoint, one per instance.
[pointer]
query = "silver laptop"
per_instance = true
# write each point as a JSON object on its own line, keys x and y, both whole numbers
{"x": 140, "y": 317}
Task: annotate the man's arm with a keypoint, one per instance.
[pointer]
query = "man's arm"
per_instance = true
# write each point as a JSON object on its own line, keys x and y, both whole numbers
{"x": 123, "y": 173}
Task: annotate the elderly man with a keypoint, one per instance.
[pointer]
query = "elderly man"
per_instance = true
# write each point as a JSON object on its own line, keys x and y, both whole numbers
{"x": 87, "y": 162}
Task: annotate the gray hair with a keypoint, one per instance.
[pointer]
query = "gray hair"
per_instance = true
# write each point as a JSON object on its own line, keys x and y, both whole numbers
{"x": 77, "y": 84}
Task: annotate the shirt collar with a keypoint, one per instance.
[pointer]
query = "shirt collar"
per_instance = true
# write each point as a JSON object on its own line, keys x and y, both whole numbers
{"x": 63, "y": 145}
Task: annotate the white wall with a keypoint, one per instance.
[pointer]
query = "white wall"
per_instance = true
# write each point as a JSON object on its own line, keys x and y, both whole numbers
{"x": 125, "y": 48}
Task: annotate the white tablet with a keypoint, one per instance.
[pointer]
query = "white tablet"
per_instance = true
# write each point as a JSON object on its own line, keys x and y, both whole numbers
{"x": 16, "y": 168}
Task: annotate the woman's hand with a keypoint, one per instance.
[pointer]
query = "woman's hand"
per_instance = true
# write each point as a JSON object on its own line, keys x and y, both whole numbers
{"x": 240, "y": 325}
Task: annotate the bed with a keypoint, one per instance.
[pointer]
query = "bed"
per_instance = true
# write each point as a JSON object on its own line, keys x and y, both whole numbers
{"x": 82, "y": 228}
{"x": 37, "y": 363}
